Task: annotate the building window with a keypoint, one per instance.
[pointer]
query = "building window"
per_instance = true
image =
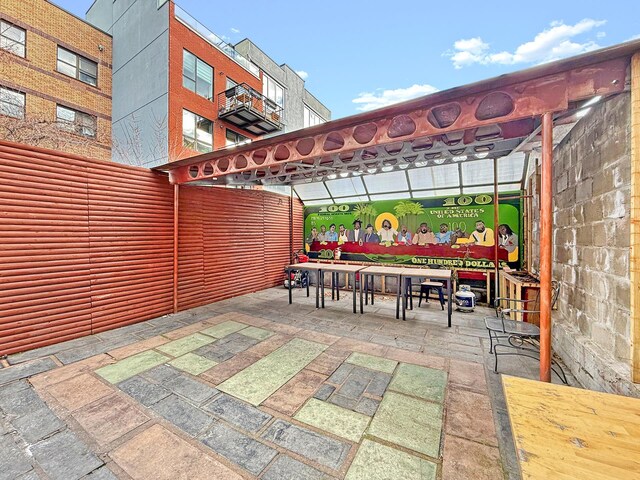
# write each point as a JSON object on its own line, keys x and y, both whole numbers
{"x": 234, "y": 138}
{"x": 13, "y": 39}
{"x": 77, "y": 66}
{"x": 197, "y": 75}
{"x": 11, "y": 103}
{"x": 197, "y": 132}
{"x": 76, "y": 122}
{"x": 274, "y": 92}
{"x": 311, "y": 118}
{"x": 230, "y": 83}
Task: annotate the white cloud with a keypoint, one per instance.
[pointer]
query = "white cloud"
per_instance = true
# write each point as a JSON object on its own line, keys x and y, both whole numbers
{"x": 635, "y": 37}
{"x": 234, "y": 30}
{"x": 551, "y": 44}
{"x": 381, "y": 98}
{"x": 302, "y": 74}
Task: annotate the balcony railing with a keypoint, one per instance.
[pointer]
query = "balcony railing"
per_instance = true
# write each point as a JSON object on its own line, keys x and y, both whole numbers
{"x": 250, "y": 110}
{"x": 216, "y": 41}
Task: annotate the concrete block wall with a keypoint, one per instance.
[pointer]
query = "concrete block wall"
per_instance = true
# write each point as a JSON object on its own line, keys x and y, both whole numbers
{"x": 591, "y": 327}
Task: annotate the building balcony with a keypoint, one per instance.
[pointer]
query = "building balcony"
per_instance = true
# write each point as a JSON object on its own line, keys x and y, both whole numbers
{"x": 249, "y": 110}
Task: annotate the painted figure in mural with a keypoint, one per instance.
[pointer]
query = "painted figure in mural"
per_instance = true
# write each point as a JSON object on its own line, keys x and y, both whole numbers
{"x": 482, "y": 235}
{"x": 460, "y": 236}
{"x": 356, "y": 234}
{"x": 509, "y": 241}
{"x": 404, "y": 237}
{"x": 313, "y": 236}
{"x": 369, "y": 236}
{"x": 342, "y": 234}
{"x": 444, "y": 235}
{"x": 424, "y": 235}
{"x": 387, "y": 232}
{"x": 322, "y": 236}
{"x": 332, "y": 235}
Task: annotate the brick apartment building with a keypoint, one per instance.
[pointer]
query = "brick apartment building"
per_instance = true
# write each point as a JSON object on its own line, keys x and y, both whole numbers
{"x": 55, "y": 79}
{"x": 180, "y": 90}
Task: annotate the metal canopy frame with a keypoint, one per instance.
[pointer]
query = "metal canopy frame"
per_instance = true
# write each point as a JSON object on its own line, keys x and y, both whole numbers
{"x": 495, "y": 117}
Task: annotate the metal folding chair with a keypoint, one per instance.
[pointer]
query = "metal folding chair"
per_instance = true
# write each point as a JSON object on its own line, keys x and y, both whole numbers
{"x": 513, "y": 337}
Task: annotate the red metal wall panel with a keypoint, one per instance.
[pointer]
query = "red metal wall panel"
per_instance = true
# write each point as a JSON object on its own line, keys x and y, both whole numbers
{"x": 87, "y": 245}
{"x": 131, "y": 243}
{"x": 231, "y": 242}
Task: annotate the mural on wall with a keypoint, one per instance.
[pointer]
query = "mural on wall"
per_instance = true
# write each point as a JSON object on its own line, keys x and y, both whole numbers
{"x": 455, "y": 232}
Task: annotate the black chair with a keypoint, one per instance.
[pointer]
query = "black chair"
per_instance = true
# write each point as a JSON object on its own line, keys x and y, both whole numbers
{"x": 425, "y": 290}
{"x": 513, "y": 337}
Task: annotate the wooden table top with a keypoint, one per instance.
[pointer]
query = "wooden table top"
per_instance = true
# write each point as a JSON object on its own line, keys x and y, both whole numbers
{"x": 568, "y": 433}
{"x": 382, "y": 270}
{"x": 303, "y": 266}
{"x": 438, "y": 273}
{"x": 331, "y": 267}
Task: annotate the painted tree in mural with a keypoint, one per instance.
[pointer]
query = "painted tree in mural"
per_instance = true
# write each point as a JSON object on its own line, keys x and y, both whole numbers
{"x": 409, "y": 214}
{"x": 365, "y": 212}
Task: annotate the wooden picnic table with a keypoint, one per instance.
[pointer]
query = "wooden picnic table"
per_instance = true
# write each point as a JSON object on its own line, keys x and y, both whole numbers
{"x": 432, "y": 274}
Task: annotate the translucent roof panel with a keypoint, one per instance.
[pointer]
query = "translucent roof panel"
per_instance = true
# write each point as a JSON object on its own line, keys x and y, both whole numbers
{"x": 511, "y": 168}
{"x": 473, "y": 190}
{"x": 344, "y": 187}
{"x": 311, "y": 191}
{"x": 434, "y": 177}
{"x": 391, "y": 196}
{"x": 362, "y": 198}
{"x": 386, "y": 182}
{"x": 435, "y": 193}
{"x": 509, "y": 187}
{"x": 477, "y": 172}
{"x": 311, "y": 203}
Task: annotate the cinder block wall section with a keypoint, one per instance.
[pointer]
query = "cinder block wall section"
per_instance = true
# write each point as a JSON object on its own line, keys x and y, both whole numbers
{"x": 591, "y": 328}
{"x": 47, "y": 27}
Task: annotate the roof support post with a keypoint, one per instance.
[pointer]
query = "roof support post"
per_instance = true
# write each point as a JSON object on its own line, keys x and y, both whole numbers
{"x": 496, "y": 233}
{"x": 546, "y": 246}
{"x": 635, "y": 218}
{"x": 176, "y": 190}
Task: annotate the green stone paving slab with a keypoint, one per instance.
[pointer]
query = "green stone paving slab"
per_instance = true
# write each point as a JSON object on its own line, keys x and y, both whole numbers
{"x": 257, "y": 382}
{"x": 257, "y": 333}
{"x": 408, "y": 422}
{"x": 422, "y": 382}
{"x": 131, "y": 366}
{"x": 185, "y": 344}
{"x": 379, "y": 462}
{"x": 371, "y": 362}
{"x": 334, "y": 419}
{"x": 223, "y": 329}
{"x": 193, "y": 364}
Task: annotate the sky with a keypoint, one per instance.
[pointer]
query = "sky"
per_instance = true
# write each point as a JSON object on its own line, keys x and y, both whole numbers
{"x": 356, "y": 56}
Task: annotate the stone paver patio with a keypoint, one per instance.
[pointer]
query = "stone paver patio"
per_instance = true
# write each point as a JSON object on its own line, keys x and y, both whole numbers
{"x": 252, "y": 387}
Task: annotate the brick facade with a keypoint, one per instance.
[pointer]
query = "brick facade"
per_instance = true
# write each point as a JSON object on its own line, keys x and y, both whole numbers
{"x": 48, "y": 26}
{"x": 591, "y": 329}
{"x": 180, "y": 38}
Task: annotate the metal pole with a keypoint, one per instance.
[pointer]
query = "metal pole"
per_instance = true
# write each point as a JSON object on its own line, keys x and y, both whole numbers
{"x": 291, "y": 226}
{"x": 176, "y": 190}
{"x": 496, "y": 222}
{"x": 546, "y": 246}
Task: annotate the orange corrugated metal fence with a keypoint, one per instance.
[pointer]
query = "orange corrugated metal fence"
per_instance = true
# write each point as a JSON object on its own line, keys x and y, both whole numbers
{"x": 246, "y": 239}
{"x": 87, "y": 245}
